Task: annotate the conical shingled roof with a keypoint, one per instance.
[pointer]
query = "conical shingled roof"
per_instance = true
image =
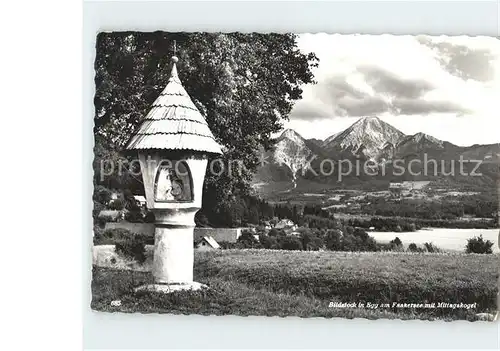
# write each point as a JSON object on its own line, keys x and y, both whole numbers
{"x": 174, "y": 122}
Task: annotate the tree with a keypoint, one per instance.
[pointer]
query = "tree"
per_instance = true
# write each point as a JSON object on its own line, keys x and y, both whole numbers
{"x": 352, "y": 243}
{"x": 362, "y": 234}
{"x": 369, "y": 244}
{"x": 268, "y": 242}
{"x": 246, "y": 240}
{"x": 333, "y": 240}
{"x": 310, "y": 240}
{"x": 102, "y": 195}
{"x": 201, "y": 220}
{"x": 244, "y": 84}
{"x": 315, "y": 244}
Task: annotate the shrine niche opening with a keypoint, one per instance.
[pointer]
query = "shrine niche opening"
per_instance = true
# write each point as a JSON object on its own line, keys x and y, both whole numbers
{"x": 173, "y": 182}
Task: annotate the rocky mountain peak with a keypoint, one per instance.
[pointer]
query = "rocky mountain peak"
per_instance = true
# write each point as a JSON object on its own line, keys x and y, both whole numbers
{"x": 368, "y": 134}
{"x": 421, "y": 138}
{"x": 291, "y": 134}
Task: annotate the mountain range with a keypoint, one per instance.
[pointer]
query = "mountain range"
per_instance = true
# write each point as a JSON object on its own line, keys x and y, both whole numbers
{"x": 368, "y": 139}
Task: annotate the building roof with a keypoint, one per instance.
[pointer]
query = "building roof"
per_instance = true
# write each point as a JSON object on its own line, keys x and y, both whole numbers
{"x": 284, "y": 223}
{"x": 210, "y": 241}
{"x": 140, "y": 198}
{"x": 110, "y": 213}
{"x": 174, "y": 122}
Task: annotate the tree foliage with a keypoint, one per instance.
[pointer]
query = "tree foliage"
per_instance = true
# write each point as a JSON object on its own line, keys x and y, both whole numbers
{"x": 244, "y": 84}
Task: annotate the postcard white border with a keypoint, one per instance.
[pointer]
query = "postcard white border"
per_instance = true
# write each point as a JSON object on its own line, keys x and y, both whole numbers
{"x": 126, "y": 331}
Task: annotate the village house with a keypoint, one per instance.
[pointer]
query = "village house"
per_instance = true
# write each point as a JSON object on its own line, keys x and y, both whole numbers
{"x": 112, "y": 198}
{"x": 285, "y": 224}
{"x": 266, "y": 225}
{"x": 407, "y": 186}
{"x": 206, "y": 243}
{"x": 111, "y": 215}
{"x": 396, "y": 187}
{"x": 140, "y": 200}
{"x": 229, "y": 235}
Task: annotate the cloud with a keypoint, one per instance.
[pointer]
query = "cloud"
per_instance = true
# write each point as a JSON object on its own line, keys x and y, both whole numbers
{"x": 336, "y": 87}
{"x": 366, "y": 106}
{"x": 386, "y": 82}
{"x": 307, "y": 110}
{"x": 362, "y": 75}
{"x": 403, "y": 106}
{"x": 462, "y": 61}
{"x": 371, "y": 90}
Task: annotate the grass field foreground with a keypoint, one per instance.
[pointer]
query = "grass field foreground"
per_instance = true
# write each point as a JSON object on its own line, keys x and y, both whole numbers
{"x": 301, "y": 283}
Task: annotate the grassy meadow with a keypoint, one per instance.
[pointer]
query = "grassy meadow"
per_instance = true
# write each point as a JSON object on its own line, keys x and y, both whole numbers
{"x": 303, "y": 283}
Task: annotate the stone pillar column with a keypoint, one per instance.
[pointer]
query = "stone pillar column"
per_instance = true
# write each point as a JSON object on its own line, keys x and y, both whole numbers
{"x": 173, "y": 255}
{"x": 173, "y": 258}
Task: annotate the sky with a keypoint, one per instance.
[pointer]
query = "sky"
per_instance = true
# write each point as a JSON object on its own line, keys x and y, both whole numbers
{"x": 448, "y": 87}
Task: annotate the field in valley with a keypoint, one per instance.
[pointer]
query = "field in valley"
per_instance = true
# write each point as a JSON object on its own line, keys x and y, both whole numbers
{"x": 303, "y": 283}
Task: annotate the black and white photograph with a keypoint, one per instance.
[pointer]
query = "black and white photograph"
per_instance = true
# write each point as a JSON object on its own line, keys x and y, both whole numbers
{"x": 296, "y": 175}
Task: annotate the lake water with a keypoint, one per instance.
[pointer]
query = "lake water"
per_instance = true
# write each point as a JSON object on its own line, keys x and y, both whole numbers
{"x": 444, "y": 238}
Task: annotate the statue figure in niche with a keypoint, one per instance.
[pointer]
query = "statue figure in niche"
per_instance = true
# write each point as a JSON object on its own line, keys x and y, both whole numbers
{"x": 173, "y": 183}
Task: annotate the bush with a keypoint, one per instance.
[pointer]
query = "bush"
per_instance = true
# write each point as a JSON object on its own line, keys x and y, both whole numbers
{"x": 396, "y": 244}
{"x": 430, "y": 247}
{"x": 113, "y": 236}
{"x": 384, "y": 247}
{"x": 274, "y": 232}
{"x": 227, "y": 245}
{"x": 414, "y": 248}
{"x": 291, "y": 243}
{"x": 116, "y": 205}
{"x": 98, "y": 231}
{"x": 98, "y": 207}
{"x": 478, "y": 245}
{"x": 149, "y": 217}
{"x": 134, "y": 217}
{"x": 133, "y": 248}
{"x": 397, "y": 241}
{"x": 102, "y": 195}
{"x": 129, "y": 201}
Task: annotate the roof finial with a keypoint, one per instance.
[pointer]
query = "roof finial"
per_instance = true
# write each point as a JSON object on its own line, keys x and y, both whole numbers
{"x": 175, "y": 59}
